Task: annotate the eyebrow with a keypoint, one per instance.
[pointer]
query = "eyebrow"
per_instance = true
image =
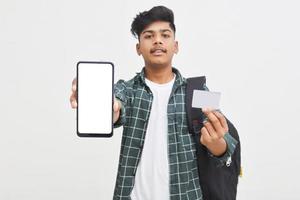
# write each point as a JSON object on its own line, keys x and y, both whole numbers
{"x": 161, "y": 30}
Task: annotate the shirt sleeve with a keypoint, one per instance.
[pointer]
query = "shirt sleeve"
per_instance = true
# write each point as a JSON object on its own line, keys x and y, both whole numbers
{"x": 120, "y": 94}
{"x": 226, "y": 157}
{"x": 230, "y": 143}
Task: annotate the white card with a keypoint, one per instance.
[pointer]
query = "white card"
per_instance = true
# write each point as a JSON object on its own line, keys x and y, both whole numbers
{"x": 206, "y": 99}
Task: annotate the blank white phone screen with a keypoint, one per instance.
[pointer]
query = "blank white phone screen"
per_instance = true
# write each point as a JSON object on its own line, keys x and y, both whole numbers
{"x": 95, "y": 98}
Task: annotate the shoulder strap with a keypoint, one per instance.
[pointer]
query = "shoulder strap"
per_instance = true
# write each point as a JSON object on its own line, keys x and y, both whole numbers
{"x": 194, "y": 122}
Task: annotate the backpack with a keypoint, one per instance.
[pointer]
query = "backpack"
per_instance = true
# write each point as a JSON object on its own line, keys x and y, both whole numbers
{"x": 217, "y": 182}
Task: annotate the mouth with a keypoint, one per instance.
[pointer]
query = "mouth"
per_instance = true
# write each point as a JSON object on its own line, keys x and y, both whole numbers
{"x": 158, "y": 51}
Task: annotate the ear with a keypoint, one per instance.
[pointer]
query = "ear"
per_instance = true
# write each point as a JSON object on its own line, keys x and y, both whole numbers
{"x": 137, "y": 46}
{"x": 176, "y": 49}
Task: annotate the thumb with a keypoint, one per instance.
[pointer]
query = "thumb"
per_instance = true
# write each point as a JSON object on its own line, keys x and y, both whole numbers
{"x": 205, "y": 137}
{"x": 117, "y": 105}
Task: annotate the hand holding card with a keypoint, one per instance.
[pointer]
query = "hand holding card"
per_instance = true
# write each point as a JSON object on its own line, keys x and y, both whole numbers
{"x": 215, "y": 125}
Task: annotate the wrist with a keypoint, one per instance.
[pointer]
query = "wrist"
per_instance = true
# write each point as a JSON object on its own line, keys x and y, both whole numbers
{"x": 218, "y": 148}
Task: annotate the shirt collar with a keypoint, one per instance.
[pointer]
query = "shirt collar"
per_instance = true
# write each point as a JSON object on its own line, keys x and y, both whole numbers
{"x": 179, "y": 80}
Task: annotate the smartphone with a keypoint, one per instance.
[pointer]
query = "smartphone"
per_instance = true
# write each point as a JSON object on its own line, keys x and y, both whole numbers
{"x": 95, "y": 81}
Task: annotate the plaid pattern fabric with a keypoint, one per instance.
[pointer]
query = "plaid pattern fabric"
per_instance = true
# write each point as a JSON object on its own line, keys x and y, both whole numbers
{"x": 136, "y": 99}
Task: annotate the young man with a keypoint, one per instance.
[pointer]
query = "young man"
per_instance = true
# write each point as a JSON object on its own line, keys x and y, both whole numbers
{"x": 158, "y": 155}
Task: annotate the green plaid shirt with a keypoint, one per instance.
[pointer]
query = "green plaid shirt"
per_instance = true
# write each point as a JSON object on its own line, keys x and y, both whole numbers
{"x": 136, "y": 99}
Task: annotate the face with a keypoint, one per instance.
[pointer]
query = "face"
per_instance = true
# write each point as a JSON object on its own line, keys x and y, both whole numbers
{"x": 157, "y": 44}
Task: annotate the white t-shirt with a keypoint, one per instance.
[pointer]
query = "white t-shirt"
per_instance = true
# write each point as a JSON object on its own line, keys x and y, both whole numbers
{"x": 152, "y": 175}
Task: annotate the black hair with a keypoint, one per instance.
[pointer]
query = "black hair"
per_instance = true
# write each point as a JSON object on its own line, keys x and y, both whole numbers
{"x": 157, "y": 13}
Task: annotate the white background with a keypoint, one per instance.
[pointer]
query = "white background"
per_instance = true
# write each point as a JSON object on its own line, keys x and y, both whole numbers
{"x": 249, "y": 51}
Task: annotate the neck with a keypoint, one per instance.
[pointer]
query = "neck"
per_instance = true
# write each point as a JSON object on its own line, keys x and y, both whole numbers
{"x": 159, "y": 75}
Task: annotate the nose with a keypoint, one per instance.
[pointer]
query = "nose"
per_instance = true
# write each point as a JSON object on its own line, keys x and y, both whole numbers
{"x": 157, "y": 40}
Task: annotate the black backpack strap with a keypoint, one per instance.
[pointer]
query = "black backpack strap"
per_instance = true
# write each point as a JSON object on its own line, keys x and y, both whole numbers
{"x": 194, "y": 115}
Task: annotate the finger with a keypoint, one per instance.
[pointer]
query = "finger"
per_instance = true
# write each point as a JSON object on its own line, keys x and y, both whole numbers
{"x": 73, "y": 100}
{"x": 74, "y": 84}
{"x": 205, "y": 137}
{"x": 215, "y": 122}
{"x": 206, "y": 110}
{"x": 116, "y": 106}
{"x": 210, "y": 129}
{"x": 222, "y": 120}
{"x": 73, "y": 96}
{"x": 74, "y": 104}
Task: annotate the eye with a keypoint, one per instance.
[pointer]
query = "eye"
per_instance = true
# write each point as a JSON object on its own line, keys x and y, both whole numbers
{"x": 147, "y": 36}
{"x": 166, "y": 35}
